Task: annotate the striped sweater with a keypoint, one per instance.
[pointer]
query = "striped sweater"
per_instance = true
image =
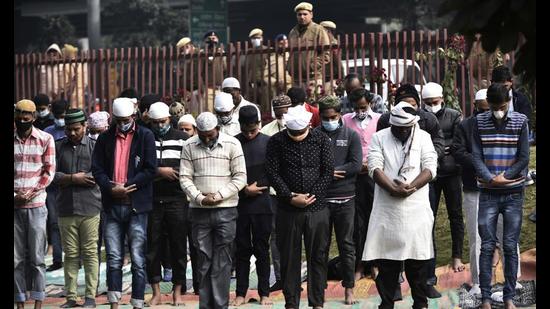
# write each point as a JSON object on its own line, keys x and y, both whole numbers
{"x": 501, "y": 149}
{"x": 168, "y": 149}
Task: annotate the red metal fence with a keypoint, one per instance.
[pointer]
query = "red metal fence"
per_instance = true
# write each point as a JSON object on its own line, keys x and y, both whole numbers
{"x": 96, "y": 77}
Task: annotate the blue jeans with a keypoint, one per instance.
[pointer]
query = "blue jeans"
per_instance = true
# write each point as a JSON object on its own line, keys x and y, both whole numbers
{"x": 121, "y": 221}
{"x": 510, "y": 206}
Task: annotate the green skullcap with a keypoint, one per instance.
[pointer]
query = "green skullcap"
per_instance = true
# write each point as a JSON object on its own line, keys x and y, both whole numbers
{"x": 74, "y": 116}
{"x": 328, "y": 102}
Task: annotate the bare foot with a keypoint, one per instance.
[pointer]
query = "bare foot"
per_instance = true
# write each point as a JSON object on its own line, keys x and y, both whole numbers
{"x": 509, "y": 304}
{"x": 20, "y": 305}
{"x": 239, "y": 300}
{"x": 496, "y": 258}
{"x": 155, "y": 300}
{"x": 265, "y": 301}
{"x": 359, "y": 272}
{"x": 114, "y": 305}
{"x": 486, "y": 305}
{"x": 349, "y": 299}
{"x": 38, "y": 304}
{"x": 458, "y": 266}
{"x": 176, "y": 294}
{"x": 317, "y": 307}
{"x": 374, "y": 272}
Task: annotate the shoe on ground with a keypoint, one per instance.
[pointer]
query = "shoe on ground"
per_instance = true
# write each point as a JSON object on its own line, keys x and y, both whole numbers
{"x": 55, "y": 266}
{"x": 475, "y": 290}
{"x": 277, "y": 286}
{"x": 69, "y": 304}
{"x": 167, "y": 275}
{"x": 431, "y": 292}
{"x": 89, "y": 303}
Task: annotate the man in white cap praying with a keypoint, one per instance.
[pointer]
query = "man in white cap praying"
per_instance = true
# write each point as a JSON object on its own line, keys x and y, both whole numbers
{"x": 232, "y": 86}
{"x": 212, "y": 172}
{"x": 166, "y": 223}
{"x": 124, "y": 163}
{"x": 223, "y": 108}
{"x": 300, "y": 167}
{"x": 187, "y": 124}
{"x": 448, "y": 172}
{"x": 402, "y": 161}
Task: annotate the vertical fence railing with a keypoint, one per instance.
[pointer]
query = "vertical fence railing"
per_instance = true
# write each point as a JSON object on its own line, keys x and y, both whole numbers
{"x": 196, "y": 76}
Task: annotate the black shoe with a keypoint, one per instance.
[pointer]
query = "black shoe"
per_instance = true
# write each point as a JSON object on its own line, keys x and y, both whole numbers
{"x": 55, "y": 266}
{"x": 277, "y": 286}
{"x": 397, "y": 296}
{"x": 89, "y": 303}
{"x": 431, "y": 292}
{"x": 69, "y": 304}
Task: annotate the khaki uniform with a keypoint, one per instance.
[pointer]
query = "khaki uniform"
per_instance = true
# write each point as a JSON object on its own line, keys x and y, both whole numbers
{"x": 313, "y": 33}
{"x": 257, "y": 75}
{"x": 217, "y": 65}
{"x": 279, "y": 73}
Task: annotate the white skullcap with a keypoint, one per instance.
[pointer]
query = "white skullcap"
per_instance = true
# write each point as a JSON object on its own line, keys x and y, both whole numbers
{"x": 98, "y": 120}
{"x": 432, "y": 90}
{"x": 123, "y": 107}
{"x": 54, "y": 47}
{"x": 188, "y": 118}
{"x": 481, "y": 94}
{"x": 297, "y": 117}
{"x": 206, "y": 121}
{"x": 133, "y": 100}
{"x": 231, "y": 82}
{"x": 401, "y": 118}
{"x": 158, "y": 110}
{"x": 223, "y": 102}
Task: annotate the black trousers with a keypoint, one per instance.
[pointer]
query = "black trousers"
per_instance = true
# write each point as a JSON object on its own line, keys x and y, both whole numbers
{"x": 169, "y": 215}
{"x": 275, "y": 256}
{"x": 314, "y": 226}
{"x": 341, "y": 217}
{"x": 364, "y": 197}
{"x": 253, "y": 233}
{"x": 165, "y": 259}
{"x": 451, "y": 187}
{"x": 388, "y": 276}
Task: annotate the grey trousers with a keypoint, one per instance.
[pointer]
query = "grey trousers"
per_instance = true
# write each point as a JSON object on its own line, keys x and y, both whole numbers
{"x": 29, "y": 248}
{"x": 213, "y": 232}
{"x": 470, "y": 205}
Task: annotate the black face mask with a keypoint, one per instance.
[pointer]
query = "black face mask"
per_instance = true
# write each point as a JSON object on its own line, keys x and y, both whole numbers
{"x": 23, "y": 126}
{"x": 400, "y": 134}
{"x": 211, "y": 44}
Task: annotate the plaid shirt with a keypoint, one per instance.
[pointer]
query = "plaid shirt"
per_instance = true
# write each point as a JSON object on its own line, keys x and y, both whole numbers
{"x": 33, "y": 165}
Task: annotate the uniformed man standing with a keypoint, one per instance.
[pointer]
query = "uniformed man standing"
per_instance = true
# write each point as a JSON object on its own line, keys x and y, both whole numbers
{"x": 336, "y": 54}
{"x": 307, "y": 65}
{"x": 257, "y": 70}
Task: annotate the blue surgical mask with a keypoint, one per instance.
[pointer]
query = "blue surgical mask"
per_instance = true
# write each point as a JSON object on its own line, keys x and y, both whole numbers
{"x": 161, "y": 131}
{"x": 330, "y": 125}
{"x": 125, "y": 127}
{"x": 59, "y": 122}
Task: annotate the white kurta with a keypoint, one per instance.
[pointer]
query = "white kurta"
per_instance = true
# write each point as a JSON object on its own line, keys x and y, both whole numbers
{"x": 400, "y": 228}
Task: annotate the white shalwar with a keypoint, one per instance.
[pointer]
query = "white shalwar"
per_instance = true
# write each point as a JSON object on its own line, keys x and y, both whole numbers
{"x": 401, "y": 228}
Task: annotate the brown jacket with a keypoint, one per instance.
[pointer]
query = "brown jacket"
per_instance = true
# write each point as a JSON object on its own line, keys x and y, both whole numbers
{"x": 313, "y": 33}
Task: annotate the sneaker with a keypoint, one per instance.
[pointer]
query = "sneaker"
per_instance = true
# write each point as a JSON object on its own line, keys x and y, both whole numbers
{"x": 69, "y": 304}
{"x": 475, "y": 290}
{"x": 167, "y": 275}
{"x": 431, "y": 292}
{"x": 277, "y": 286}
{"x": 89, "y": 303}
{"x": 55, "y": 266}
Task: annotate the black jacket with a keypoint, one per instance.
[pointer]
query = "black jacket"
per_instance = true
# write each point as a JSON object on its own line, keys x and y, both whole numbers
{"x": 428, "y": 122}
{"x": 142, "y": 167}
{"x": 461, "y": 150}
{"x": 448, "y": 122}
{"x": 300, "y": 167}
{"x": 348, "y": 156}
{"x": 522, "y": 105}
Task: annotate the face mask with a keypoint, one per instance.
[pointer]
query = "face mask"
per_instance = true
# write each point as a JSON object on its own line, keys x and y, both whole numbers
{"x": 59, "y": 122}
{"x": 400, "y": 135}
{"x": 43, "y": 113}
{"x": 23, "y": 126}
{"x": 330, "y": 125}
{"x": 499, "y": 114}
{"x": 225, "y": 119}
{"x": 434, "y": 108}
{"x": 125, "y": 127}
{"x": 93, "y": 136}
{"x": 298, "y": 138}
{"x": 211, "y": 44}
{"x": 281, "y": 122}
{"x": 256, "y": 42}
{"x": 361, "y": 116}
{"x": 161, "y": 131}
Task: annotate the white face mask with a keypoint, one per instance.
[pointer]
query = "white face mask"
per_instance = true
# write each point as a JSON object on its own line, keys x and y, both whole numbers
{"x": 256, "y": 42}
{"x": 43, "y": 113}
{"x": 434, "y": 108}
{"x": 499, "y": 114}
{"x": 59, "y": 122}
{"x": 93, "y": 136}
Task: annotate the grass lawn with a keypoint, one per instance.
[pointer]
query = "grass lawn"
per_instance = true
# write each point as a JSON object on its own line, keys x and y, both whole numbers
{"x": 443, "y": 230}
